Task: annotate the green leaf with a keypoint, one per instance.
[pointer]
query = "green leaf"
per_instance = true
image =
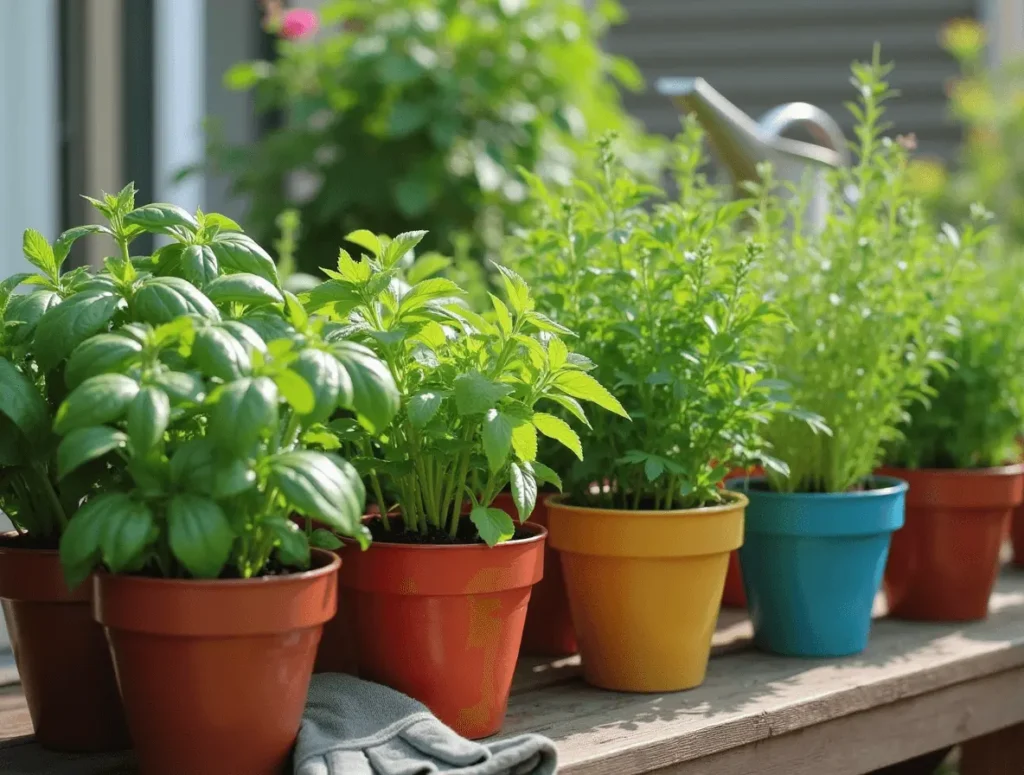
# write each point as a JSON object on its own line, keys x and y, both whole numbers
{"x": 493, "y": 525}
{"x": 423, "y": 406}
{"x": 97, "y": 401}
{"x": 25, "y": 312}
{"x": 245, "y": 335}
{"x": 243, "y": 411}
{"x": 84, "y": 445}
{"x": 39, "y": 253}
{"x": 400, "y": 246}
{"x": 517, "y": 291}
{"x": 220, "y": 221}
{"x": 524, "y": 441}
{"x": 581, "y": 385}
{"x": 296, "y": 391}
{"x": 237, "y": 252}
{"x": 324, "y": 539}
{"x": 653, "y": 467}
{"x": 21, "y": 401}
{"x": 292, "y": 544}
{"x": 8, "y": 286}
{"x": 112, "y": 527}
{"x": 328, "y": 490}
{"x": 163, "y": 218}
{"x": 198, "y": 265}
{"x": 244, "y": 289}
{"x": 428, "y": 290}
{"x": 524, "y": 489}
{"x": 219, "y": 354}
{"x": 559, "y": 430}
{"x": 571, "y": 404}
{"x": 70, "y": 323}
{"x": 199, "y": 466}
{"x": 497, "y": 438}
{"x": 101, "y": 354}
{"x": 62, "y": 246}
{"x": 545, "y": 475}
{"x": 199, "y": 534}
{"x": 352, "y": 271}
{"x": 296, "y": 313}
{"x": 329, "y": 382}
{"x": 148, "y": 418}
{"x": 374, "y": 393}
{"x": 406, "y": 117}
{"x": 558, "y": 354}
{"x": 544, "y": 323}
{"x": 162, "y": 299}
{"x": 365, "y": 239}
{"x": 426, "y": 266}
{"x": 502, "y": 314}
{"x": 181, "y": 387}
{"x": 475, "y": 394}
{"x": 126, "y": 534}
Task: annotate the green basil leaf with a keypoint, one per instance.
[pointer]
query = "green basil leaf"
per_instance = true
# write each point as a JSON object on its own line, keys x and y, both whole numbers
{"x": 167, "y": 260}
{"x": 559, "y": 430}
{"x": 8, "y": 286}
{"x": 218, "y": 354}
{"x": 245, "y": 334}
{"x": 524, "y": 489}
{"x": 292, "y": 544}
{"x": 296, "y": 391}
{"x": 200, "y": 535}
{"x": 97, "y": 401}
{"x": 162, "y": 299}
{"x": 25, "y": 312}
{"x": 237, "y": 252}
{"x": 268, "y": 326}
{"x": 198, "y": 265}
{"x": 222, "y": 222}
{"x": 148, "y": 417}
{"x": 374, "y": 395}
{"x": 243, "y": 288}
{"x": 493, "y": 525}
{"x": 327, "y": 489}
{"x": 102, "y": 354}
{"x": 81, "y": 543}
{"x": 581, "y": 385}
{"x": 84, "y": 445}
{"x": 497, "y": 438}
{"x": 70, "y": 323}
{"x": 324, "y": 539}
{"x": 21, "y": 402}
{"x": 162, "y": 217}
{"x": 475, "y": 394}
{"x": 62, "y": 246}
{"x": 245, "y": 410}
{"x": 182, "y": 387}
{"x": 127, "y": 530}
{"x": 329, "y": 382}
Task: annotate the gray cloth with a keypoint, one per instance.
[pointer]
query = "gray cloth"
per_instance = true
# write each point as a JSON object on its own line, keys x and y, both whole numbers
{"x": 354, "y": 727}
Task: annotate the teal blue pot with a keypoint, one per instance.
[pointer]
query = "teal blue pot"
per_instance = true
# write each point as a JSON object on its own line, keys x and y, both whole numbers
{"x": 813, "y": 562}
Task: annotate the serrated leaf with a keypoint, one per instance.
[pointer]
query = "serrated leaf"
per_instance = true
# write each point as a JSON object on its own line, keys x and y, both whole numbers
{"x": 571, "y": 405}
{"x": 401, "y": 245}
{"x": 653, "y": 467}
{"x": 559, "y": 430}
{"x": 39, "y": 253}
{"x": 84, "y": 445}
{"x": 422, "y": 293}
{"x": 544, "y": 323}
{"x": 497, "y": 438}
{"x": 97, "y": 401}
{"x": 545, "y": 475}
{"x": 558, "y": 353}
{"x": 516, "y": 290}
{"x": 423, "y": 406}
{"x": 524, "y": 489}
{"x": 365, "y": 239}
{"x": 70, "y": 323}
{"x": 199, "y": 534}
{"x": 493, "y": 525}
{"x": 65, "y": 241}
{"x": 524, "y": 441}
{"x": 100, "y": 354}
{"x": 581, "y": 385}
{"x": 148, "y": 418}
{"x": 426, "y": 266}
{"x": 475, "y": 394}
{"x": 243, "y": 288}
{"x": 501, "y": 314}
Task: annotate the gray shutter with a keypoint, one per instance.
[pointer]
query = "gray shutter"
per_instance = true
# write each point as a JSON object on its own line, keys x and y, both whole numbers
{"x": 761, "y": 53}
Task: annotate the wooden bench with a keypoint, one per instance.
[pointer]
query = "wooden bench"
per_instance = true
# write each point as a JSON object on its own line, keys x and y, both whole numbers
{"x": 918, "y": 688}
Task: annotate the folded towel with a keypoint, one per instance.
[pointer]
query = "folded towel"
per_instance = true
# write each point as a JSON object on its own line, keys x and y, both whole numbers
{"x": 354, "y": 727}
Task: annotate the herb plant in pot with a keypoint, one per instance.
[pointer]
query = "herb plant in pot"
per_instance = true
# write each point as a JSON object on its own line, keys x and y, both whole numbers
{"x": 61, "y": 653}
{"x": 868, "y": 296}
{"x": 960, "y": 455}
{"x": 439, "y": 599}
{"x": 661, "y": 294}
{"x": 212, "y": 598}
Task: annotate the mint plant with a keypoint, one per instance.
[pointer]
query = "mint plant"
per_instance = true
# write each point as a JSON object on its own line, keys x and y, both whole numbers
{"x": 871, "y": 297}
{"x": 475, "y": 393}
{"x": 663, "y": 298}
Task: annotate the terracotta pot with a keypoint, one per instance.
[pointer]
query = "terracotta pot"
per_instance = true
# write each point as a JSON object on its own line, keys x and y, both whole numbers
{"x": 944, "y": 562}
{"x": 61, "y": 653}
{"x": 214, "y": 674}
{"x": 645, "y": 588}
{"x": 443, "y": 623}
{"x": 1017, "y": 535}
{"x": 548, "y": 631}
{"x": 734, "y": 595}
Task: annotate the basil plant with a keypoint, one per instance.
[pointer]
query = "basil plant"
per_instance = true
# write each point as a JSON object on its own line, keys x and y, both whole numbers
{"x": 191, "y": 393}
{"x": 476, "y": 393}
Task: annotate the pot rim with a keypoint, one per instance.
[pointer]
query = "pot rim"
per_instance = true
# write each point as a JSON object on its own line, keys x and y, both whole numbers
{"x": 893, "y": 486}
{"x": 1009, "y": 469}
{"x": 333, "y": 562}
{"x": 740, "y": 500}
{"x": 540, "y": 533}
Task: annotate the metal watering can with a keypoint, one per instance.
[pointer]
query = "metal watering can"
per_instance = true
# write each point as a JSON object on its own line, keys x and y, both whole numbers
{"x": 741, "y": 143}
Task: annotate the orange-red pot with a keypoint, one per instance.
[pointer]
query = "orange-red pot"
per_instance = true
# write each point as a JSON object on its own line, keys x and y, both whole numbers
{"x": 943, "y": 563}
{"x": 443, "y": 623}
{"x": 734, "y": 595}
{"x": 1017, "y": 535}
{"x": 214, "y": 674}
{"x": 548, "y": 631}
{"x": 61, "y": 653}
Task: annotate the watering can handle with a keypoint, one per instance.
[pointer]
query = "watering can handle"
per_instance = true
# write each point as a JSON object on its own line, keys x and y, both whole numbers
{"x": 822, "y": 127}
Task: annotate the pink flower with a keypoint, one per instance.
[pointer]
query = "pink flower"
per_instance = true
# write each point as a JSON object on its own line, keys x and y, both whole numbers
{"x": 299, "y": 23}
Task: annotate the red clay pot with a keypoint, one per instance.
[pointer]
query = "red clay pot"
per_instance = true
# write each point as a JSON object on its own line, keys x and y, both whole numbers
{"x": 443, "y": 623}
{"x": 61, "y": 653}
{"x": 734, "y": 595}
{"x": 214, "y": 674}
{"x": 943, "y": 563}
{"x": 1017, "y": 535}
{"x": 548, "y": 631}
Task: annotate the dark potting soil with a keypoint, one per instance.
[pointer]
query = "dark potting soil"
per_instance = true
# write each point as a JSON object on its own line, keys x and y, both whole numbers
{"x": 466, "y": 534}
{"x": 30, "y": 542}
{"x": 272, "y": 568}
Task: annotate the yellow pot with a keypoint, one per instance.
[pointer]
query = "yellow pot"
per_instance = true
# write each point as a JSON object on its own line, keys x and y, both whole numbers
{"x": 645, "y": 588}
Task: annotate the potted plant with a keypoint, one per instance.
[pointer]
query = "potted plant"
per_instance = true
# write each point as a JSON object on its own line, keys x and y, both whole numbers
{"x": 869, "y": 297}
{"x": 439, "y": 599}
{"x": 62, "y": 656}
{"x": 661, "y": 294}
{"x": 204, "y": 434}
